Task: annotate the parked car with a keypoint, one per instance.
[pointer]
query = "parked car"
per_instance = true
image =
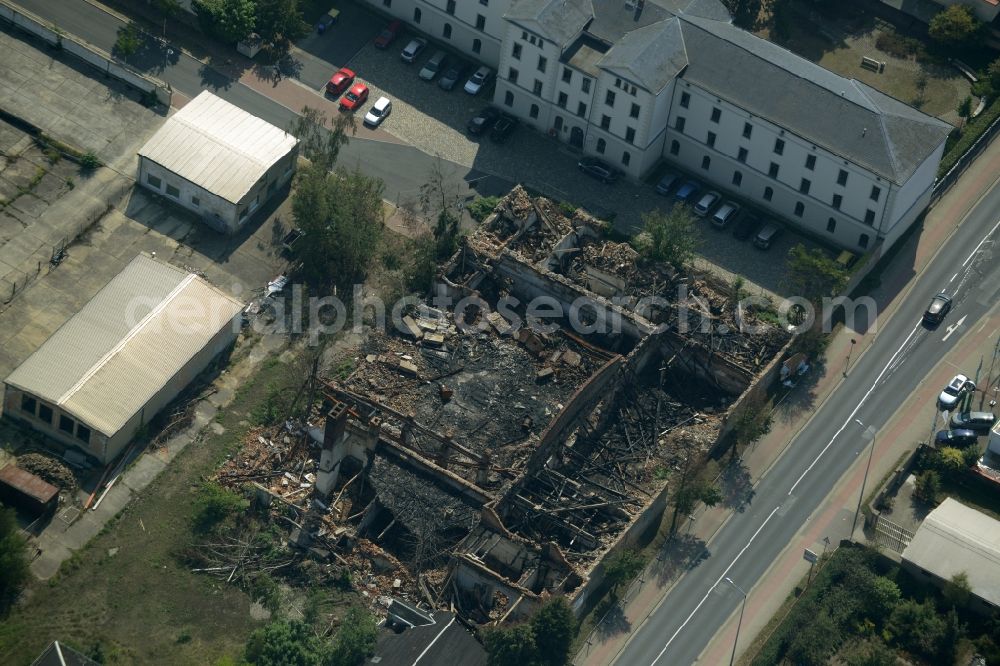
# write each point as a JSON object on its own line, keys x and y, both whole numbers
{"x": 355, "y": 97}
{"x": 327, "y": 20}
{"x": 727, "y": 212}
{"x": 980, "y": 422}
{"x": 955, "y": 438}
{"x": 953, "y": 392}
{"x": 706, "y": 203}
{"x": 666, "y": 183}
{"x": 412, "y": 50}
{"x": 687, "y": 191}
{"x": 388, "y": 34}
{"x": 845, "y": 260}
{"x": 455, "y": 73}
{"x": 378, "y": 112}
{"x": 478, "y": 79}
{"x": 599, "y": 170}
{"x": 747, "y": 227}
{"x": 483, "y": 120}
{"x": 340, "y": 81}
{"x": 503, "y": 128}
{"x": 766, "y": 236}
{"x": 939, "y": 306}
{"x": 434, "y": 66}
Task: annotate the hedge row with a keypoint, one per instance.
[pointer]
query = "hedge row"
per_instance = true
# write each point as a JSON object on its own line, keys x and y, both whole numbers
{"x": 969, "y": 136}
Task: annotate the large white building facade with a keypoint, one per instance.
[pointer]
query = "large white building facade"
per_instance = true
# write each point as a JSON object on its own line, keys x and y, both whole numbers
{"x": 636, "y": 82}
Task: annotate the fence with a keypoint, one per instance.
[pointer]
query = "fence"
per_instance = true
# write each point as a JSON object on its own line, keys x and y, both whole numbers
{"x": 97, "y": 58}
{"x": 947, "y": 180}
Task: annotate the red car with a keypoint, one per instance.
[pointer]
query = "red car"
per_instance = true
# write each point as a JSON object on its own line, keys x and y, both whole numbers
{"x": 390, "y": 33}
{"x": 340, "y": 81}
{"x": 355, "y": 97}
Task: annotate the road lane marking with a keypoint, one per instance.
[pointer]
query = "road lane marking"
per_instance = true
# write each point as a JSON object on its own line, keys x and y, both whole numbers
{"x": 969, "y": 258}
{"x": 719, "y": 580}
{"x": 856, "y": 409}
{"x": 953, "y": 278}
{"x": 954, "y": 327}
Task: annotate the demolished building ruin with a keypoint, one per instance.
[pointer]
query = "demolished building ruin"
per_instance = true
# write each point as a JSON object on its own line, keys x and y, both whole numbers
{"x": 498, "y": 456}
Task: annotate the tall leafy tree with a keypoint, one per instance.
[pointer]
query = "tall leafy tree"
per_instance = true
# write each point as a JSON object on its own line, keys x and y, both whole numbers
{"x": 355, "y": 639}
{"x": 554, "y": 626}
{"x": 812, "y": 274}
{"x": 284, "y": 643}
{"x": 511, "y": 646}
{"x": 670, "y": 237}
{"x": 955, "y": 26}
{"x": 230, "y": 20}
{"x": 279, "y": 23}
{"x": 13, "y": 557}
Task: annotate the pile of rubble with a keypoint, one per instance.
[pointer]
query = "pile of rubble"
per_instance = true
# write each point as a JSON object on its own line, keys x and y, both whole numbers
{"x": 522, "y": 225}
{"x": 48, "y": 469}
{"x": 275, "y": 458}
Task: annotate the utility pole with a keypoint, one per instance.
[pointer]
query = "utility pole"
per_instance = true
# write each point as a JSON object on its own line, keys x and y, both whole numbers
{"x": 847, "y": 365}
{"x": 869, "y": 434}
{"x": 736, "y": 640}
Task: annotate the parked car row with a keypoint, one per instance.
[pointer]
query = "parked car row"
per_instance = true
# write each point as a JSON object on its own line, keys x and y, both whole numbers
{"x": 720, "y": 212}
{"x": 450, "y": 69}
{"x": 499, "y": 125}
{"x": 966, "y": 428}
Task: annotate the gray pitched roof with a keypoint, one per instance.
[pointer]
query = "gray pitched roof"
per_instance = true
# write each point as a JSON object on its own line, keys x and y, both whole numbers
{"x": 842, "y": 115}
{"x": 651, "y": 56}
{"x": 711, "y": 9}
{"x": 557, "y": 20}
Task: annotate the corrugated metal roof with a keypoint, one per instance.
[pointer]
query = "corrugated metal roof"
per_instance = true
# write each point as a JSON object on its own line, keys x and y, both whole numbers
{"x": 28, "y": 484}
{"x": 218, "y": 146}
{"x": 957, "y": 539}
{"x": 105, "y": 363}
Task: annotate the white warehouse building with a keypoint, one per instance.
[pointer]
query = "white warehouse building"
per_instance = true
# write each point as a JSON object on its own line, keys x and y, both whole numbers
{"x": 218, "y": 161}
{"x": 122, "y": 358}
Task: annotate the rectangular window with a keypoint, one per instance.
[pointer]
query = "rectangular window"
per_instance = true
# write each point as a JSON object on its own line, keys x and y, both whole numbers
{"x": 533, "y": 112}
{"x": 567, "y": 75}
{"x": 779, "y": 146}
{"x": 450, "y": 7}
{"x": 863, "y": 241}
{"x": 634, "y": 112}
{"x": 605, "y": 122}
{"x": 811, "y": 162}
{"x": 561, "y": 102}
{"x": 28, "y": 404}
{"x": 675, "y": 147}
{"x": 512, "y": 75}
{"x": 747, "y": 130}
{"x": 804, "y": 186}
{"x": 630, "y": 134}
{"x": 585, "y": 85}
{"x": 44, "y": 412}
{"x": 831, "y": 225}
{"x": 537, "y": 88}
{"x": 706, "y": 162}
{"x": 876, "y": 193}
{"x": 524, "y": 35}
{"x": 799, "y": 208}
{"x": 773, "y": 170}
{"x": 387, "y": 3}
{"x": 609, "y": 98}
{"x": 196, "y": 202}
{"x": 716, "y": 114}
{"x": 711, "y": 140}
{"x": 480, "y": 22}
{"x": 65, "y": 423}
{"x": 837, "y": 200}
{"x": 742, "y": 155}
{"x": 153, "y": 180}
{"x": 685, "y": 99}
{"x": 515, "y": 51}
{"x": 83, "y": 433}
{"x": 581, "y": 109}
{"x": 842, "y": 177}
{"x": 737, "y": 178}
{"x": 870, "y": 217}
{"x": 768, "y": 193}
{"x": 542, "y": 62}
{"x": 626, "y": 158}
{"x": 679, "y": 123}
{"x": 484, "y": 3}
{"x": 173, "y": 191}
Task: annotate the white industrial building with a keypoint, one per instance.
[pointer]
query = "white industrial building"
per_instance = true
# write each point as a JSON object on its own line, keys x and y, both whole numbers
{"x": 123, "y": 357}
{"x": 956, "y": 539}
{"x": 217, "y": 160}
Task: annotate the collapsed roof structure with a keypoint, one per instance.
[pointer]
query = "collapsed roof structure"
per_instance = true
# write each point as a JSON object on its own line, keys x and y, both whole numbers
{"x": 526, "y": 420}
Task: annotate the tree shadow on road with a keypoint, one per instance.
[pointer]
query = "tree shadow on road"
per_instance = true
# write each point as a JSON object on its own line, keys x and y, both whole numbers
{"x": 737, "y": 486}
{"x": 800, "y": 397}
{"x": 613, "y": 621}
{"x": 678, "y": 555}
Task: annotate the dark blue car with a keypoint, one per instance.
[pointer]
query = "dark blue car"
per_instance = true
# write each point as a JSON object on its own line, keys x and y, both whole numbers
{"x": 687, "y": 191}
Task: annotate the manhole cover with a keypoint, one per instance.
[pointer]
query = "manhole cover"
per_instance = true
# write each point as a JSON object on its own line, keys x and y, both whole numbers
{"x": 69, "y": 515}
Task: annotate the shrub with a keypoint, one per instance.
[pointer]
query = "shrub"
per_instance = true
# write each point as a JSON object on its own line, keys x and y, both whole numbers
{"x": 482, "y": 207}
{"x": 214, "y": 503}
{"x": 13, "y": 557}
{"x": 89, "y": 161}
{"x": 928, "y": 486}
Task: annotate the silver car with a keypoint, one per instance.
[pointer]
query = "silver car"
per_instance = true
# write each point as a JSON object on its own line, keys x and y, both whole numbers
{"x": 479, "y": 79}
{"x": 953, "y": 392}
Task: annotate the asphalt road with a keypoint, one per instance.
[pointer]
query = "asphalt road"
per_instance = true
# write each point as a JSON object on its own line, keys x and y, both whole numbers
{"x": 402, "y": 168}
{"x": 904, "y": 353}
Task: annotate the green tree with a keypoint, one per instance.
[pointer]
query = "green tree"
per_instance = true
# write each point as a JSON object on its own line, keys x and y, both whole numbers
{"x": 917, "y": 627}
{"x": 950, "y": 461}
{"x": 419, "y": 271}
{"x": 511, "y": 646}
{"x": 955, "y": 26}
{"x": 883, "y": 596}
{"x": 284, "y": 643}
{"x": 214, "y": 503}
{"x": 13, "y": 557}
{"x": 928, "y": 486}
{"x": 965, "y": 109}
{"x": 554, "y": 626}
{"x": 752, "y": 423}
{"x": 481, "y": 208}
{"x": 958, "y": 590}
{"x": 669, "y": 237}
{"x": 320, "y": 142}
{"x": 816, "y": 641}
{"x": 868, "y": 652}
{"x": 279, "y": 23}
{"x": 993, "y": 74}
{"x": 355, "y": 639}
{"x": 445, "y": 234}
{"x": 813, "y": 275}
{"x": 230, "y": 20}
{"x": 129, "y": 41}
{"x": 621, "y": 567}
{"x": 744, "y": 12}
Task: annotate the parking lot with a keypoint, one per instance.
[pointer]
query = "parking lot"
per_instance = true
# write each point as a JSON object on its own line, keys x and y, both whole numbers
{"x": 434, "y": 121}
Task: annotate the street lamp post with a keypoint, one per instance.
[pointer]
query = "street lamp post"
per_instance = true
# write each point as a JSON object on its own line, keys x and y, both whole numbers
{"x": 736, "y": 640}
{"x": 869, "y": 434}
{"x": 847, "y": 366}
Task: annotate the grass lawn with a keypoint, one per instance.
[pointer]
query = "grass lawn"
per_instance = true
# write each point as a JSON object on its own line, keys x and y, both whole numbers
{"x": 141, "y": 603}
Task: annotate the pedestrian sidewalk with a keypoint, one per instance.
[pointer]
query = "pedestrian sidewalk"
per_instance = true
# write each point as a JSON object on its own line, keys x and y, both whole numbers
{"x": 603, "y": 646}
